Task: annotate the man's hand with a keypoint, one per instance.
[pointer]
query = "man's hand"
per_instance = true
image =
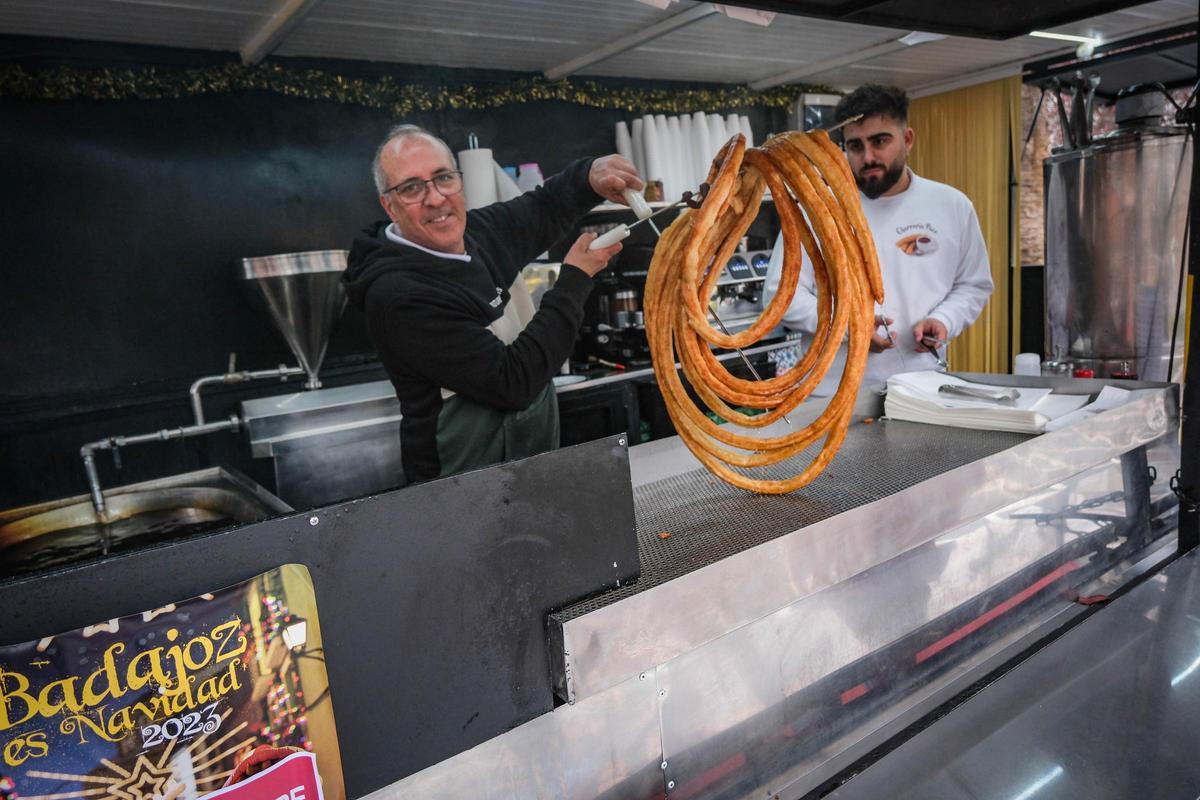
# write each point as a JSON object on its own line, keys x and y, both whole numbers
{"x": 885, "y": 342}
{"x": 590, "y": 261}
{"x": 611, "y": 175}
{"x": 930, "y": 328}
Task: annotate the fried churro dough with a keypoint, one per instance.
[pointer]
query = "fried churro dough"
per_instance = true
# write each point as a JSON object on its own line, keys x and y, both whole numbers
{"x": 809, "y": 170}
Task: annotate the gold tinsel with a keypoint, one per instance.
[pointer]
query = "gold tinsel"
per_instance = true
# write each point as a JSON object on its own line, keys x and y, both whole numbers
{"x": 68, "y": 83}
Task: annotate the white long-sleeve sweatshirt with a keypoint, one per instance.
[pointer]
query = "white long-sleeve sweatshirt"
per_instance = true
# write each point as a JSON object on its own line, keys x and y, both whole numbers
{"x": 934, "y": 264}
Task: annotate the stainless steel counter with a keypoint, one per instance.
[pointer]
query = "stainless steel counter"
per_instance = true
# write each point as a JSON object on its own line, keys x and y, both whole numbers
{"x": 771, "y": 642}
{"x": 1110, "y": 711}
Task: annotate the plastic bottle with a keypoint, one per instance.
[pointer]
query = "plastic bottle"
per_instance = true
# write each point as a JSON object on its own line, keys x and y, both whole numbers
{"x": 529, "y": 178}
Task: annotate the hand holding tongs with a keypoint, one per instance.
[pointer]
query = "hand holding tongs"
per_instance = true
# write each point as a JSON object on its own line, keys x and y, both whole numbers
{"x": 1005, "y": 397}
{"x": 644, "y": 214}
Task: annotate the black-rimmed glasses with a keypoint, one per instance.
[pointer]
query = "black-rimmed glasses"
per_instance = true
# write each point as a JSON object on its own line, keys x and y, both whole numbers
{"x": 413, "y": 191}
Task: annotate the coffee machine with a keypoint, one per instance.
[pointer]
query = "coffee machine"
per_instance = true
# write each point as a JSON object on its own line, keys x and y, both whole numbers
{"x": 614, "y": 331}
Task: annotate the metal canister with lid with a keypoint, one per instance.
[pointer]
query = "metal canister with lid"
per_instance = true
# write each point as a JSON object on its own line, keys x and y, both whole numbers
{"x": 1125, "y": 372}
{"x": 624, "y": 307}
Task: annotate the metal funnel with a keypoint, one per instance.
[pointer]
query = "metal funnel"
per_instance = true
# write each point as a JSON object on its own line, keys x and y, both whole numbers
{"x": 303, "y": 294}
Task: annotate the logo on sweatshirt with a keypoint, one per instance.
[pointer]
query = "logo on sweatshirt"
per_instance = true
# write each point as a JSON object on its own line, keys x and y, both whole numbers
{"x": 917, "y": 244}
{"x": 917, "y": 239}
{"x": 495, "y": 303}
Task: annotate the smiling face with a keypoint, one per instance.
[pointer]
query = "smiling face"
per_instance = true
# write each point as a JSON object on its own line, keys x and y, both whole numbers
{"x": 436, "y": 222}
{"x": 877, "y": 148}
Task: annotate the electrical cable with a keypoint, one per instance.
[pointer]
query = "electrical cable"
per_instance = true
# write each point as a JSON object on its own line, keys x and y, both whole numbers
{"x": 1185, "y": 243}
{"x": 1033, "y": 124}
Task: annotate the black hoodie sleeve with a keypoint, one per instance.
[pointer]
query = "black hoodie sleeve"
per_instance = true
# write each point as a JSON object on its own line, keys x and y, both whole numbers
{"x": 442, "y": 342}
{"x": 527, "y": 226}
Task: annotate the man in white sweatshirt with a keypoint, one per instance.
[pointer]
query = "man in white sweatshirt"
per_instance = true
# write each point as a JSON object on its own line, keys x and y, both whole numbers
{"x": 936, "y": 275}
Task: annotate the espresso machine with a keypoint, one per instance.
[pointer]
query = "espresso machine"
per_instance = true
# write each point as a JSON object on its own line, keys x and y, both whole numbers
{"x": 613, "y": 330}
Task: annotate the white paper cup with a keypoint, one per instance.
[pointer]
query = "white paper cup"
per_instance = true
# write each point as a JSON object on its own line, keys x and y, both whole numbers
{"x": 1028, "y": 364}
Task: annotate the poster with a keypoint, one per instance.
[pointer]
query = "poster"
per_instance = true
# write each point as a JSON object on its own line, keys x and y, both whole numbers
{"x": 165, "y": 704}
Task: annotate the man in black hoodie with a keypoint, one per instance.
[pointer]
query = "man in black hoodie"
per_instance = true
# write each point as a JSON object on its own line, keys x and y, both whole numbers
{"x": 448, "y": 311}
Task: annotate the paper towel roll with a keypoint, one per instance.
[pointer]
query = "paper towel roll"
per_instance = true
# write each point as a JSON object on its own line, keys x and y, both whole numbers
{"x": 479, "y": 176}
{"x": 744, "y": 124}
{"x": 624, "y": 145}
{"x": 506, "y": 187}
{"x": 638, "y": 137}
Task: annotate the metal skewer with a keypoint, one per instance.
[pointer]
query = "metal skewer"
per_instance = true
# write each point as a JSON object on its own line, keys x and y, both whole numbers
{"x": 633, "y": 225}
{"x": 745, "y": 360}
{"x": 845, "y": 122}
{"x": 899, "y": 350}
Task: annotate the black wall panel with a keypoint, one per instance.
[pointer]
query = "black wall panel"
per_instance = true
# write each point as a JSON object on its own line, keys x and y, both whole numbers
{"x": 123, "y": 220}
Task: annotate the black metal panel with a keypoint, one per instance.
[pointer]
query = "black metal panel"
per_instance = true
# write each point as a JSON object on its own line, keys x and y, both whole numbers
{"x": 433, "y": 599}
{"x": 1188, "y": 485}
{"x": 586, "y": 414}
{"x": 1167, "y": 56}
{"x": 989, "y": 20}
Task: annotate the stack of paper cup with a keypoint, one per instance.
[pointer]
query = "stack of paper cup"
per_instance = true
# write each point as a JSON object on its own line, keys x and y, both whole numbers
{"x": 678, "y": 150}
{"x": 624, "y": 141}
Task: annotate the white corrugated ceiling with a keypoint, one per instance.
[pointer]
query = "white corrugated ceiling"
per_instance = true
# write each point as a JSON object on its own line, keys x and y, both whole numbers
{"x": 534, "y": 35}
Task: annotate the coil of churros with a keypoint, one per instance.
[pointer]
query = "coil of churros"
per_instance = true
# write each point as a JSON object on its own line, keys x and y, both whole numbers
{"x": 810, "y": 169}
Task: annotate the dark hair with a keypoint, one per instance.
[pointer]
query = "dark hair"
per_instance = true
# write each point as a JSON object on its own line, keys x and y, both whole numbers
{"x": 873, "y": 100}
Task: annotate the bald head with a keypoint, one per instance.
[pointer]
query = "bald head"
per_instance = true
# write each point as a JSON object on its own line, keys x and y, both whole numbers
{"x": 394, "y": 140}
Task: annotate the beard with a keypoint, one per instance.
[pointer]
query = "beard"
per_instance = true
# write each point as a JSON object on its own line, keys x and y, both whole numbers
{"x": 875, "y": 186}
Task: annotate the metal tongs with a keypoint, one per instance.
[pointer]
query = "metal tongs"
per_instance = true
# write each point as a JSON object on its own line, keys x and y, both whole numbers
{"x": 1006, "y": 397}
{"x": 644, "y": 214}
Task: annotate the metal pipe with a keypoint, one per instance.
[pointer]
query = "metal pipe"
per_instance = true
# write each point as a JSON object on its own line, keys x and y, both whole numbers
{"x": 89, "y": 466}
{"x": 282, "y": 372}
{"x": 87, "y": 452}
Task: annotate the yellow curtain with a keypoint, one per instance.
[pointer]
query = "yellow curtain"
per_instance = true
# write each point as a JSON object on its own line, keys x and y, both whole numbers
{"x": 971, "y": 140}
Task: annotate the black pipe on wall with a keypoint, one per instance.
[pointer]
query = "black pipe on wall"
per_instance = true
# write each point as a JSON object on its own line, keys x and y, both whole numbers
{"x": 124, "y": 219}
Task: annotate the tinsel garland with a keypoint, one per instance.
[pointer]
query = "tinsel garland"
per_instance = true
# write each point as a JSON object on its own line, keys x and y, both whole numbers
{"x": 69, "y": 83}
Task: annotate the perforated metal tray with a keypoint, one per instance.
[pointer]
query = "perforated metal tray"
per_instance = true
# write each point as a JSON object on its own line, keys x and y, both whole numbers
{"x": 708, "y": 520}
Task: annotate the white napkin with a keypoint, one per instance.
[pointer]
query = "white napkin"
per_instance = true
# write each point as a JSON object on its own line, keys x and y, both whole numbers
{"x": 1109, "y": 397}
{"x": 914, "y": 396}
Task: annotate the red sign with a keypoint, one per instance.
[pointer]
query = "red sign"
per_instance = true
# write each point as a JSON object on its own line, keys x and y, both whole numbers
{"x": 293, "y": 778}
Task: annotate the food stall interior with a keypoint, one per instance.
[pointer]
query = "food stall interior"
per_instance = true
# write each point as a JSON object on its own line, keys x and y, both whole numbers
{"x": 189, "y": 403}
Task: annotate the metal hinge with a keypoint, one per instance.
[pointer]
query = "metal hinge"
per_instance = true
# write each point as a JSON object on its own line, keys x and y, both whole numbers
{"x": 1186, "y": 501}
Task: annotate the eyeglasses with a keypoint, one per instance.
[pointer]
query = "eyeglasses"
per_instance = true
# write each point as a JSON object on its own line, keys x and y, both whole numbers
{"x": 411, "y": 192}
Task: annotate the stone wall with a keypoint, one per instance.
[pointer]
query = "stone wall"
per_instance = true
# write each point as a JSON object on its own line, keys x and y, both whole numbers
{"x": 1046, "y": 136}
